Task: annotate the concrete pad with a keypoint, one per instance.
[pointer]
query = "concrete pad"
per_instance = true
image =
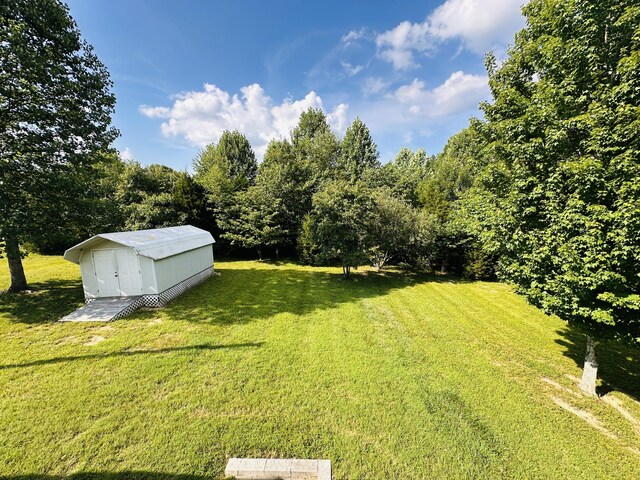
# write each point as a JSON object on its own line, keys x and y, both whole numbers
{"x": 304, "y": 469}
{"x": 278, "y": 465}
{"x": 324, "y": 470}
{"x": 278, "y": 469}
{"x": 101, "y": 310}
{"x": 246, "y": 468}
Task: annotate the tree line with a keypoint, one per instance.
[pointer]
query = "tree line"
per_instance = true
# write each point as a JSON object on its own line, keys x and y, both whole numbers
{"x": 542, "y": 192}
{"x": 315, "y": 197}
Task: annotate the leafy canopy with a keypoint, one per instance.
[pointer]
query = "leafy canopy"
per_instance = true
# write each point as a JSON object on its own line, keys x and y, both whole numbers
{"x": 563, "y": 140}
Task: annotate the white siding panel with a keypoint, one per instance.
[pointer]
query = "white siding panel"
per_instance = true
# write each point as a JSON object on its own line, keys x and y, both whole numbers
{"x": 89, "y": 283}
{"x": 172, "y": 270}
{"x": 149, "y": 285}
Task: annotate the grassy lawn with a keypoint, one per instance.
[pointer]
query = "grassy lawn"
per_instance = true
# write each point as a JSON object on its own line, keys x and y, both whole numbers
{"x": 391, "y": 377}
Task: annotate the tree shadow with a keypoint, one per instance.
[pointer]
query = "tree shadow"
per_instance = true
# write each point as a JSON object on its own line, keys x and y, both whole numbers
{"x": 618, "y": 362}
{"x": 44, "y": 302}
{"x": 243, "y": 295}
{"x": 237, "y": 296}
{"x": 128, "y": 353}
{"x": 125, "y": 475}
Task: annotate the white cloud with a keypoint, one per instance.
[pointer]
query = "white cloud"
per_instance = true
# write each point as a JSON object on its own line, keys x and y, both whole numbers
{"x": 412, "y": 113}
{"x": 412, "y": 93}
{"x": 351, "y": 70}
{"x": 353, "y": 36}
{"x": 396, "y": 45}
{"x": 154, "y": 112}
{"x": 201, "y": 116}
{"x": 460, "y": 92}
{"x": 338, "y": 118}
{"x": 126, "y": 154}
{"x": 480, "y": 25}
{"x": 373, "y": 85}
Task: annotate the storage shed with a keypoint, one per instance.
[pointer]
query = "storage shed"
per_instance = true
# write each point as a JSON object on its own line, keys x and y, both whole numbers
{"x": 155, "y": 265}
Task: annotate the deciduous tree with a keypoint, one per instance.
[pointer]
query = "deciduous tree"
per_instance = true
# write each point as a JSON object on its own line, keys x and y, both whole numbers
{"x": 338, "y": 225}
{"x": 358, "y": 152}
{"x": 563, "y": 130}
{"x": 55, "y": 116}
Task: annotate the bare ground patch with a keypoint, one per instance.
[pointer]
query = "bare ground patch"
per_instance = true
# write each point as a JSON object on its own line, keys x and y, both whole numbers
{"x": 617, "y": 405}
{"x": 96, "y": 339}
{"x": 560, "y": 387}
{"x": 584, "y": 415}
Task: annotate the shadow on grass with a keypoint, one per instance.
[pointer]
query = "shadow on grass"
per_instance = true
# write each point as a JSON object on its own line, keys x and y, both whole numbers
{"x": 618, "y": 362}
{"x": 238, "y": 296}
{"x": 126, "y": 475}
{"x": 44, "y": 302}
{"x": 129, "y": 353}
{"x": 243, "y": 295}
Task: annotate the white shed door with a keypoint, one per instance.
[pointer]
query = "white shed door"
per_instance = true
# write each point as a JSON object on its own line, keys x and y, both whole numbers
{"x": 117, "y": 273}
{"x": 128, "y": 273}
{"x": 106, "y": 268}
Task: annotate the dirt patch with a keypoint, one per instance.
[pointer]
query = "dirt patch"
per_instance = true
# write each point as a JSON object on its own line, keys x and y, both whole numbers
{"x": 617, "y": 404}
{"x": 155, "y": 321}
{"x": 584, "y": 415}
{"x": 67, "y": 340}
{"x": 199, "y": 412}
{"x": 573, "y": 378}
{"x": 96, "y": 339}
{"x": 560, "y": 387}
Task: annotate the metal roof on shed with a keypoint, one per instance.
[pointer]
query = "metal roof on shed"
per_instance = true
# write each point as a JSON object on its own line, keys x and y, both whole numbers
{"x": 155, "y": 243}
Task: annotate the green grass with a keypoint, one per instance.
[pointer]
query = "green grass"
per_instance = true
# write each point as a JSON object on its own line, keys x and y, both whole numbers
{"x": 390, "y": 376}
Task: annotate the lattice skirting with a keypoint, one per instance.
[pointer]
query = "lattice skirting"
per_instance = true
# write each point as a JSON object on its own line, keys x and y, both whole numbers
{"x": 161, "y": 299}
{"x": 129, "y": 309}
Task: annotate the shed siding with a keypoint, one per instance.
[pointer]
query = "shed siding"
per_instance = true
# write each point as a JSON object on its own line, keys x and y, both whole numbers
{"x": 89, "y": 283}
{"x": 149, "y": 286}
{"x": 172, "y": 270}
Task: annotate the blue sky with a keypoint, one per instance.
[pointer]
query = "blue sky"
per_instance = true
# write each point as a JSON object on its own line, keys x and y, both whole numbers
{"x": 184, "y": 71}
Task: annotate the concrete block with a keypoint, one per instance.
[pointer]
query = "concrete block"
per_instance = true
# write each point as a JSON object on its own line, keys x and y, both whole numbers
{"x": 278, "y": 469}
{"x": 324, "y": 470}
{"x": 246, "y": 468}
{"x": 304, "y": 469}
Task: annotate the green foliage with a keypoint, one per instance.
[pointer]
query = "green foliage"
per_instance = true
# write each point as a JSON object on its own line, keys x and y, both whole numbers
{"x": 55, "y": 116}
{"x": 252, "y": 220}
{"x": 339, "y": 224}
{"x": 315, "y": 146}
{"x": 563, "y": 139}
{"x": 307, "y": 247}
{"x": 404, "y": 175}
{"x": 284, "y": 178}
{"x": 451, "y": 173}
{"x": 392, "y": 229}
{"x": 226, "y": 168}
{"x": 358, "y": 152}
{"x": 158, "y": 196}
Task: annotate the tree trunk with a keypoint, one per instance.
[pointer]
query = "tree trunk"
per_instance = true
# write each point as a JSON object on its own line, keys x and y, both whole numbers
{"x": 590, "y": 371}
{"x": 18, "y": 280}
{"x": 259, "y": 249}
{"x": 381, "y": 260}
{"x": 345, "y": 271}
